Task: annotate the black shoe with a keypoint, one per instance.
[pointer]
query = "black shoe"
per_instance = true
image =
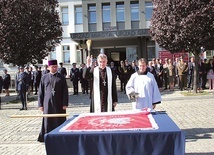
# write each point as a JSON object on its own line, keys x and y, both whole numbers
{"x": 22, "y": 109}
{"x": 35, "y": 93}
{"x": 25, "y": 108}
{"x": 40, "y": 138}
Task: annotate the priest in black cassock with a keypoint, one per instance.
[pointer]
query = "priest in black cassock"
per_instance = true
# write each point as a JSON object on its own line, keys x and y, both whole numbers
{"x": 104, "y": 91}
{"x": 52, "y": 98}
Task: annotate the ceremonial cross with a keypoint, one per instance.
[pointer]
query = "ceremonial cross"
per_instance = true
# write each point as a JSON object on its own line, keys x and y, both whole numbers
{"x": 53, "y": 92}
{"x": 104, "y": 82}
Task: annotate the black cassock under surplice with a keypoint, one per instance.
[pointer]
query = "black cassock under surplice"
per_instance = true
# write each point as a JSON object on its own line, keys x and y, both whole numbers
{"x": 104, "y": 91}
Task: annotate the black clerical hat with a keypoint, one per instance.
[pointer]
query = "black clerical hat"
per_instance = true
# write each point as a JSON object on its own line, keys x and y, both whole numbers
{"x": 52, "y": 62}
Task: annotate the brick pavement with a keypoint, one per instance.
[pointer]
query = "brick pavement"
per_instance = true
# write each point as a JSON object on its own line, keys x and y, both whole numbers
{"x": 194, "y": 115}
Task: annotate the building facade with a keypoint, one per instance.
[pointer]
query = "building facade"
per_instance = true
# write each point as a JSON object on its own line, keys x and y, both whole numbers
{"x": 120, "y": 29}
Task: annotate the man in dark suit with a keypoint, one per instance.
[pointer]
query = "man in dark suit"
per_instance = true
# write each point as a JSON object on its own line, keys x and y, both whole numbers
{"x": 83, "y": 78}
{"x": 121, "y": 72}
{"x": 1, "y": 83}
{"x": 62, "y": 70}
{"x": 45, "y": 70}
{"x": 201, "y": 72}
{"x": 128, "y": 71}
{"x": 22, "y": 81}
{"x": 74, "y": 76}
{"x": 6, "y": 82}
{"x": 36, "y": 79}
{"x": 191, "y": 67}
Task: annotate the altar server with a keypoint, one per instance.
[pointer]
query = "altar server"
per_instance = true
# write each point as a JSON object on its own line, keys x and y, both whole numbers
{"x": 144, "y": 84}
{"x": 52, "y": 98}
{"x": 104, "y": 92}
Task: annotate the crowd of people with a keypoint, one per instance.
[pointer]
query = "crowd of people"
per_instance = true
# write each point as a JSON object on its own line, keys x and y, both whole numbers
{"x": 181, "y": 73}
{"x": 168, "y": 74}
{"x": 140, "y": 80}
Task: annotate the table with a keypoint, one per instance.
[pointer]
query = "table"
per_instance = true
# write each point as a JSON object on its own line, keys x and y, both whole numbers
{"x": 167, "y": 140}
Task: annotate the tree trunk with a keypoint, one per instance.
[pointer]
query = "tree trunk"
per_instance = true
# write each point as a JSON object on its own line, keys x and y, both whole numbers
{"x": 196, "y": 80}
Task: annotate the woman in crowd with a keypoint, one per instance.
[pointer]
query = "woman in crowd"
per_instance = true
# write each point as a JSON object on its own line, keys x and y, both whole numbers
{"x": 171, "y": 74}
{"x": 6, "y": 82}
{"x": 210, "y": 74}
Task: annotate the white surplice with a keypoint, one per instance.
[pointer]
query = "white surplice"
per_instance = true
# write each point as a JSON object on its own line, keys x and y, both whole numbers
{"x": 147, "y": 89}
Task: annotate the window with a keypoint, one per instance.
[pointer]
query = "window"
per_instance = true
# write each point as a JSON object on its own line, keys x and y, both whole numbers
{"x": 53, "y": 54}
{"x": 209, "y": 54}
{"x": 120, "y": 16}
{"x": 134, "y": 7}
{"x": 151, "y": 49}
{"x": 65, "y": 20}
{"x": 120, "y": 12}
{"x": 66, "y": 53}
{"x": 149, "y": 10}
{"x": 78, "y": 15}
{"x": 106, "y": 13}
{"x": 134, "y": 11}
{"x": 92, "y": 13}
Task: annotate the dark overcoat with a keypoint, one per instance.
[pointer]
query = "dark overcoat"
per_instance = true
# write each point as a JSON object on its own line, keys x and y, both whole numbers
{"x": 22, "y": 81}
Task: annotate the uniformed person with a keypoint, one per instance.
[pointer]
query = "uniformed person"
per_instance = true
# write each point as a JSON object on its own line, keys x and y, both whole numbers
{"x": 22, "y": 81}
{"x": 75, "y": 76}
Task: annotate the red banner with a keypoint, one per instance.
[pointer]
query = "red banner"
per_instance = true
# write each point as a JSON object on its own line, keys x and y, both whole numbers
{"x": 169, "y": 55}
{"x": 111, "y": 122}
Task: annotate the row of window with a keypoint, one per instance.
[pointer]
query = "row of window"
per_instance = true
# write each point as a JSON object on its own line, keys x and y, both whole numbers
{"x": 106, "y": 12}
{"x": 106, "y": 19}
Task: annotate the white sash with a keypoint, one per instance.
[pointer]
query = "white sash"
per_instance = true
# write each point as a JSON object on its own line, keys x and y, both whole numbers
{"x": 96, "y": 87}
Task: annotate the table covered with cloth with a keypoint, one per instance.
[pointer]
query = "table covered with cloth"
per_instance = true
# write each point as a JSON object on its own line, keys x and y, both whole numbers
{"x": 164, "y": 138}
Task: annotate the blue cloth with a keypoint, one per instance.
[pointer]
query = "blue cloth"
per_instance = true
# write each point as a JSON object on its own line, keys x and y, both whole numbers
{"x": 167, "y": 140}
